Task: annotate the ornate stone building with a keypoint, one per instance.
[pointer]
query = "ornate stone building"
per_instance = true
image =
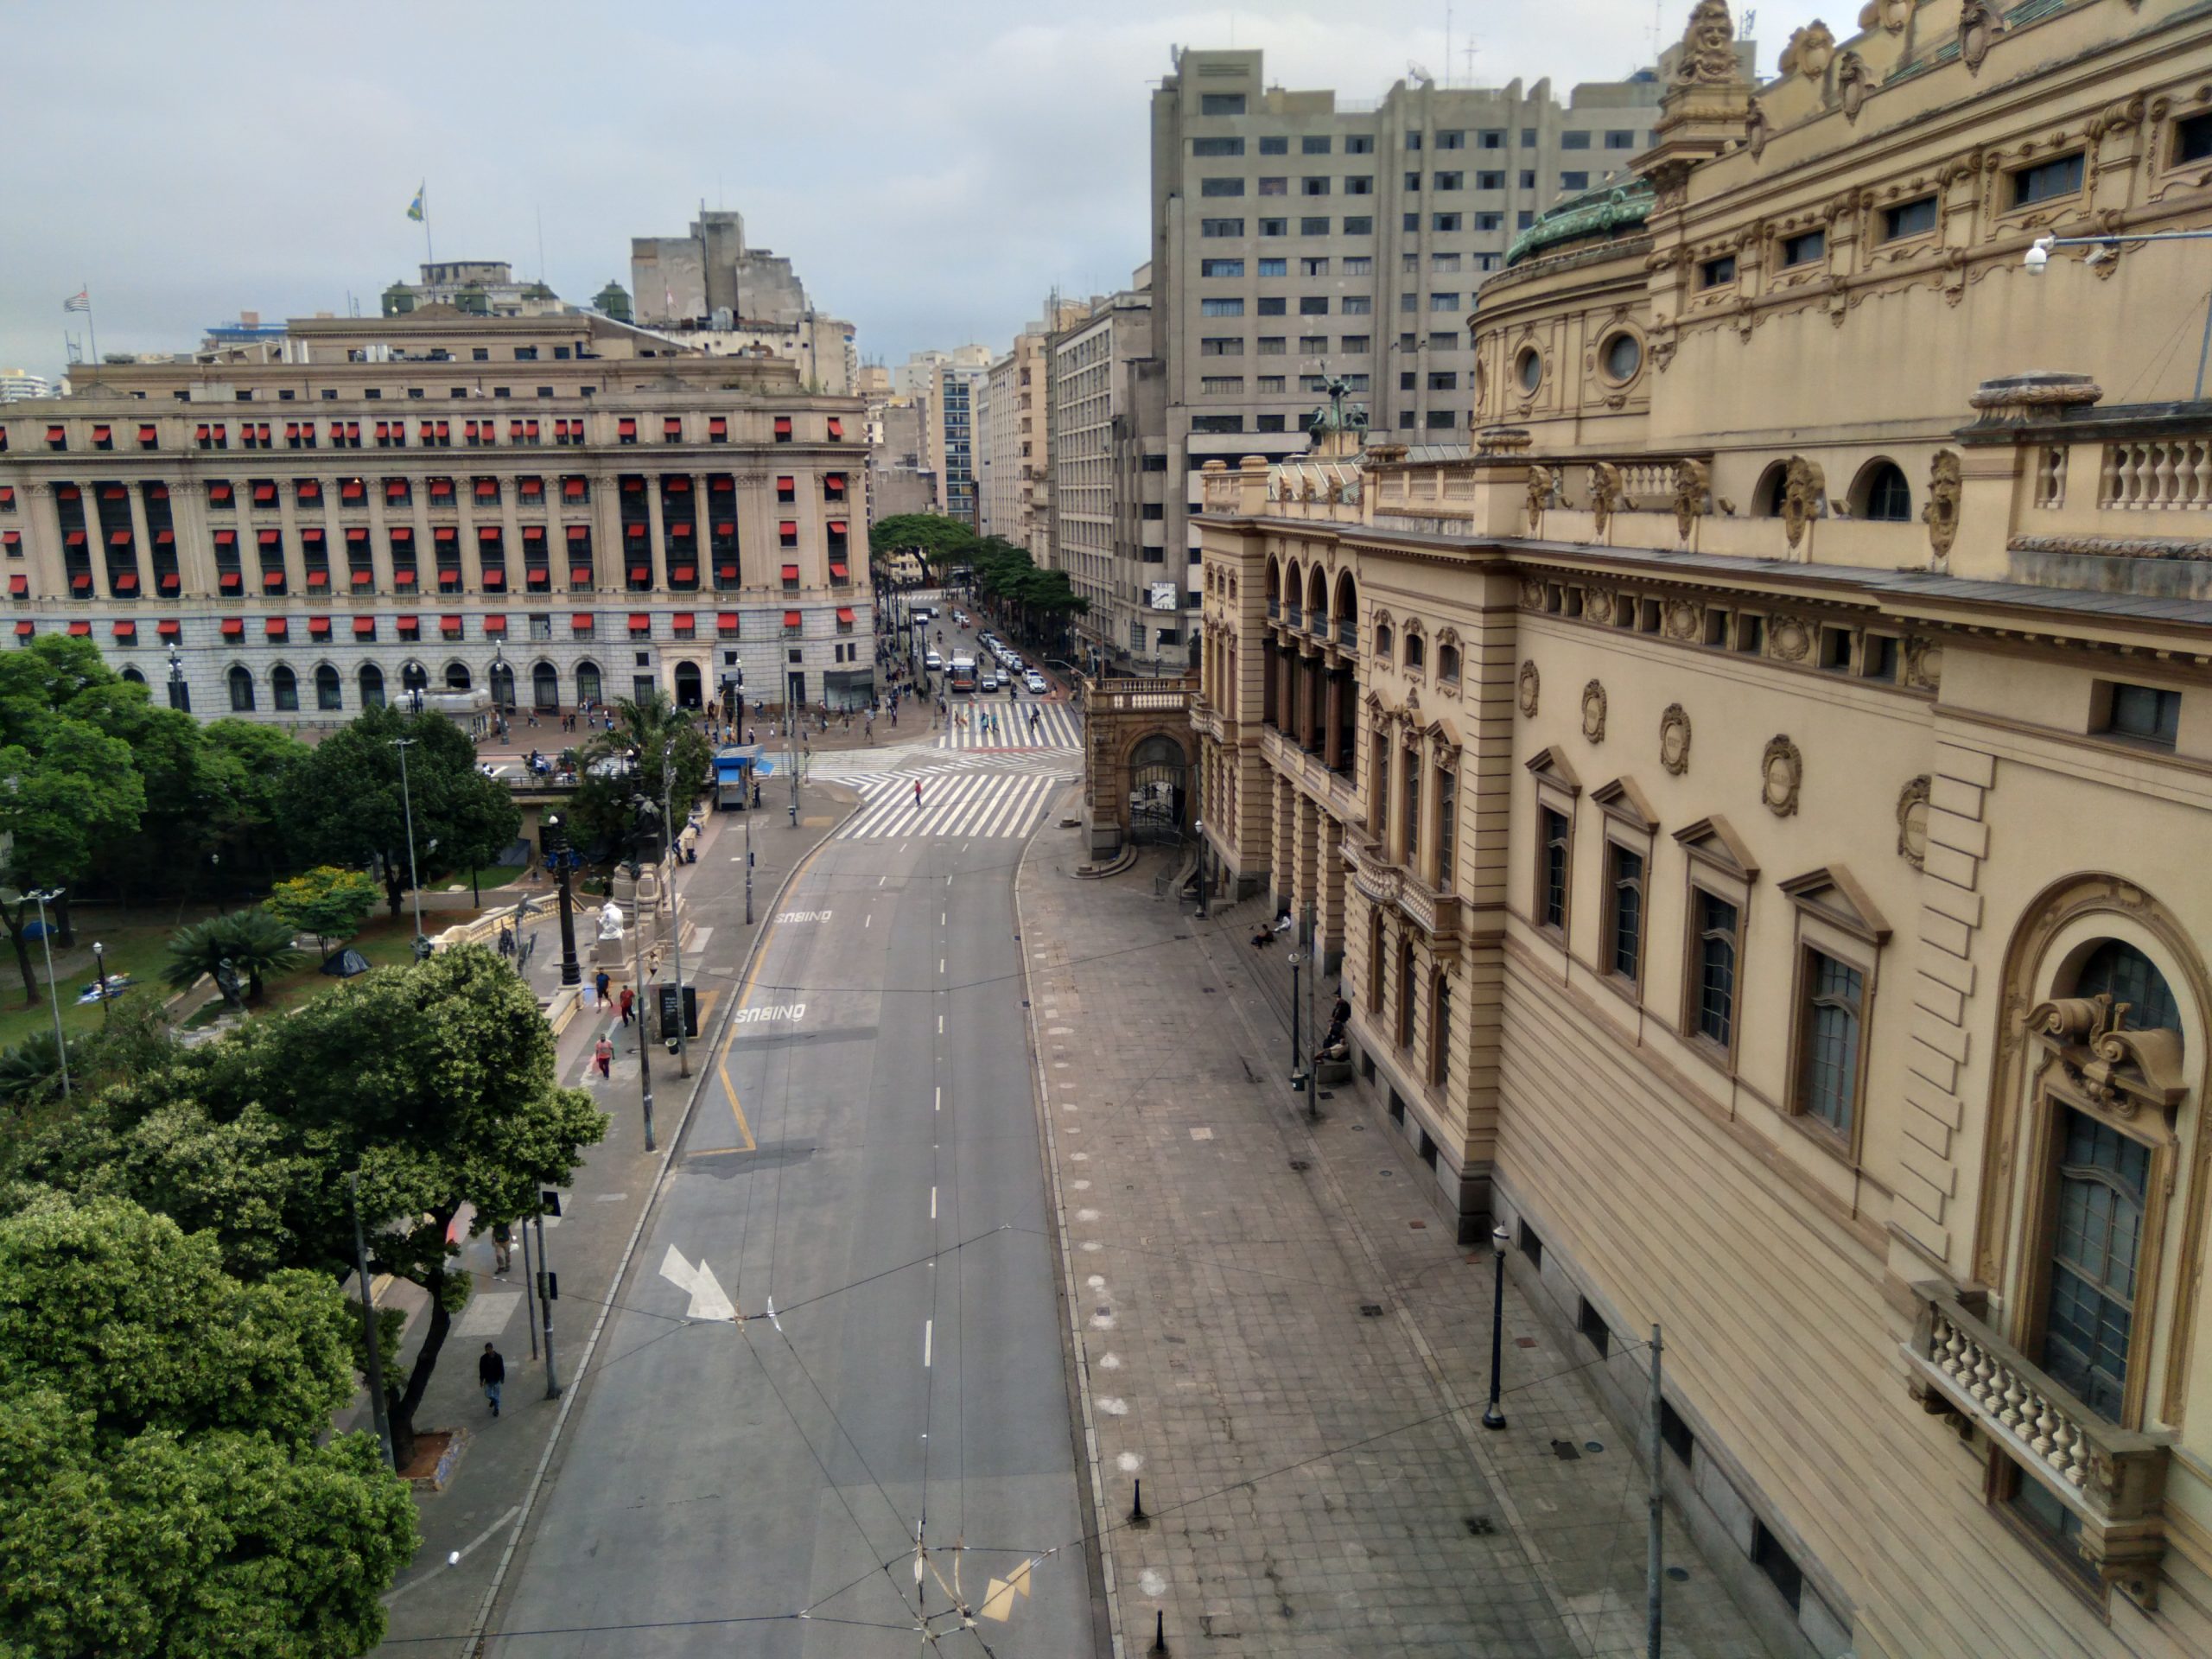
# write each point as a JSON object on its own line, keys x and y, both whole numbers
{"x": 1757, "y": 799}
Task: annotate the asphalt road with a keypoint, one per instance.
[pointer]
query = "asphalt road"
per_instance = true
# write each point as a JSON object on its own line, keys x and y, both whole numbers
{"x": 865, "y": 1161}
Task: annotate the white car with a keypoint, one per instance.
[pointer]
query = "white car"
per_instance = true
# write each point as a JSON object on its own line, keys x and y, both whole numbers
{"x": 1035, "y": 682}
{"x": 988, "y": 682}
{"x": 932, "y": 660}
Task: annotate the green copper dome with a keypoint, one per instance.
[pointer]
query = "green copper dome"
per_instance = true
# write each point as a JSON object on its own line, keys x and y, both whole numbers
{"x": 1607, "y": 211}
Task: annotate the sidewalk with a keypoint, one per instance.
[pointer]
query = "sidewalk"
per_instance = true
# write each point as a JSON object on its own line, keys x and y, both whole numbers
{"x": 1276, "y": 1333}
{"x": 601, "y": 1215}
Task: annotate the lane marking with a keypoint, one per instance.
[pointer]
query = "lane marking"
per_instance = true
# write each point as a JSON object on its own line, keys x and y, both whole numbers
{"x": 929, "y": 1329}
{"x": 940, "y": 964}
{"x": 940, "y": 1025}
{"x": 940, "y": 1097}
{"x": 932, "y": 1204}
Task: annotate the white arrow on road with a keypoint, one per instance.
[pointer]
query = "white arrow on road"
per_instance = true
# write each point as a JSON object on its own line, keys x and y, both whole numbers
{"x": 708, "y": 1301}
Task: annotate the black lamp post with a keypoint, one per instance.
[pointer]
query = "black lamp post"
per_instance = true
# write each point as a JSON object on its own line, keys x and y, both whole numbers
{"x": 1493, "y": 1417}
{"x": 179, "y": 693}
{"x": 100, "y": 960}
{"x": 563, "y": 861}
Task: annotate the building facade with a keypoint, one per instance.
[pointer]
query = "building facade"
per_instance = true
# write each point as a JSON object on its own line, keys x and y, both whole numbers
{"x": 1753, "y": 801}
{"x": 21, "y": 386}
{"x": 550, "y": 509}
{"x": 1013, "y": 434}
{"x": 1109, "y": 529}
{"x": 950, "y": 422}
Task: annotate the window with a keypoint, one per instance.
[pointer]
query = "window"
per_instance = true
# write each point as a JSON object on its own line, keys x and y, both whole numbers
{"x": 1804, "y": 249}
{"x": 1221, "y": 386}
{"x": 1772, "y": 1558}
{"x": 1591, "y": 1324}
{"x": 240, "y": 681}
{"x": 1408, "y": 379}
{"x": 1217, "y": 268}
{"x": 1524, "y": 219}
{"x": 1274, "y": 345}
{"x": 1413, "y": 182}
{"x": 1527, "y": 178}
{"x": 2102, "y": 1185}
{"x": 1909, "y": 219}
{"x": 1624, "y": 356}
{"x": 1714, "y": 985}
{"x": 2046, "y": 180}
{"x": 1675, "y": 1433}
{"x": 1489, "y": 221}
{"x": 1552, "y": 869}
{"x": 1444, "y": 380}
{"x": 1312, "y": 305}
{"x": 1575, "y": 181}
{"x": 1271, "y": 227}
{"x": 1827, "y": 1077}
{"x": 1221, "y": 228}
{"x": 1356, "y": 345}
{"x": 1406, "y": 969}
{"x": 1751, "y": 634}
{"x": 1885, "y": 496}
{"x": 1492, "y": 139}
{"x": 1275, "y": 267}
{"x": 1217, "y": 146}
{"x": 1216, "y": 423}
{"x": 1275, "y": 186}
{"x": 1444, "y": 301}
{"x": 1440, "y": 420}
{"x": 1264, "y": 422}
{"x": 1221, "y": 186}
{"x": 1489, "y": 181}
{"x": 1447, "y": 181}
{"x": 1359, "y": 225}
{"x": 1444, "y": 262}
{"x": 1221, "y": 346}
{"x": 1624, "y": 913}
{"x": 2192, "y": 139}
{"x": 1221, "y": 308}
{"x": 1527, "y": 137}
{"x": 1715, "y": 272}
{"x": 1528, "y": 368}
{"x": 1359, "y": 143}
{"x": 1835, "y": 650}
{"x": 1447, "y": 810}
{"x": 1440, "y": 1030}
{"x": 1574, "y": 141}
{"x": 1272, "y": 306}
{"x": 1412, "y": 141}
{"x": 2142, "y": 714}
{"x": 1316, "y": 225}
{"x": 1221, "y": 104}
{"x": 1410, "y": 223}
{"x": 1445, "y": 222}
{"x": 1359, "y": 264}
{"x": 1276, "y": 144}
{"x": 1620, "y": 141}
{"x": 1314, "y": 187}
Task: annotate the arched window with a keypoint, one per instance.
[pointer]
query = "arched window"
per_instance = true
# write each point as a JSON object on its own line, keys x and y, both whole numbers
{"x": 134, "y": 677}
{"x": 1882, "y": 494}
{"x": 2117, "y": 970}
{"x": 1440, "y": 1029}
{"x": 413, "y": 676}
{"x": 1382, "y": 642}
{"x": 1347, "y": 609}
{"x": 1766, "y": 495}
{"x": 329, "y": 690}
{"x": 544, "y": 687}
{"x": 1317, "y": 598}
{"x": 588, "y": 685}
{"x": 1406, "y": 1010}
{"x": 241, "y": 683}
{"x": 503, "y": 685}
{"x": 1448, "y": 664}
{"x": 1416, "y": 652}
{"x": 372, "y": 679}
{"x": 284, "y": 690}
{"x": 457, "y": 677}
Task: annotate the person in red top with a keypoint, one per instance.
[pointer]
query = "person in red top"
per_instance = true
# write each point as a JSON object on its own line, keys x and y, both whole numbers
{"x": 629, "y": 999}
{"x": 602, "y": 1056}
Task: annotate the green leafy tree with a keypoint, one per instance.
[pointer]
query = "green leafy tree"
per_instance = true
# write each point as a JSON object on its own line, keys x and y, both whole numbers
{"x": 327, "y": 902}
{"x": 941, "y": 542}
{"x": 165, "y": 1486}
{"x": 668, "y": 744}
{"x": 71, "y": 791}
{"x": 246, "y": 944}
{"x": 344, "y": 804}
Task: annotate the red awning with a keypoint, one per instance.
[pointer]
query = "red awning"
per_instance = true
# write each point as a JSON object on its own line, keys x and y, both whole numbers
{"x": 494, "y": 577}
{"x": 679, "y": 528}
{"x": 579, "y": 532}
{"x": 81, "y": 581}
{"x": 786, "y": 486}
{"x": 683, "y": 573}
{"x": 229, "y": 582}
{"x": 54, "y": 435}
{"x": 402, "y": 534}
{"x": 365, "y": 625}
{"x": 168, "y": 630}
{"x": 725, "y": 529}
{"x": 844, "y": 613}
{"x": 788, "y": 530}
{"x": 19, "y": 586}
{"x": 728, "y": 572}
{"x": 836, "y": 427}
{"x": 76, "y": 538}
{"x": 580, "y": 576}
{"x": 487, "y": 532}
{"x": 219, "y": 493}
{"x": 445, "y": 532}
{"x": 450, "y": 624}
{"x": 790, "y": 573}
{"x": 580, "y": 621}
{"x": 411, "y": 624}
{"x": 271, "y": 580}
{"x": 25, "y": 630}
{"x": 232, "y": 626}
{"x": 790, "y": 618}
{"x": 126, "y": 582}
{"x": 495, "y": 625}
{"x": 641, "y": 572}
{"x": 201, "y": 433}
{"x": 357, "y": 536}
{"x": 686, "y": 623}
{"x": 11, "y": 539}
{"x": 264, "y": 491}
{"x": 626, "y": 427}
{"x": 635, "y": 531}
{"x": 837, "y": 528}
{"x": 164, "y": 538}
{"x": 673, "y": 424}
{"x": 679, "y": 486}
{"x": 403, "y": 578}
{"x": 573, "y": 488}
{"x": 840, "y": 572}
{"x": 80, "y": 626}
{"x": 718, "y": 427}
{"x": 533, "y": 532}
{"x": 118, "y": 538}
{"x": 726, "y": 621}
{"x": 273, "y": 627}
{"x": 319, "y": 625}
{"x": 486, "y": 488}
{"x": 270, "y": 538}
{"x": 318, "y": 577}
{"x": 449, "y": 577}
{"x": 721, "y": 484}
{"x": 395, "y": 489}
{"x": 146, "y": 434}
{"x": 783, "y": 426}
{"x": 226, "y": 538}
{"x": 365, "y": 578}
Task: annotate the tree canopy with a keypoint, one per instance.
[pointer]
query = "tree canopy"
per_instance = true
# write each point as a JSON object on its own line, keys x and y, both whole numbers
{"x": 327, "y": 902}
{"x": 656, "y": 731}
{"x": 940, "y": 541}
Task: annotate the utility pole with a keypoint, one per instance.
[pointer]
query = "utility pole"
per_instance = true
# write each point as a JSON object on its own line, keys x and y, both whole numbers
{"x": 674, "y": 920}
{"x": 376, "y": 1404}
{"x": 529, "y": 1299}
{"x": 548, "y": 1287}
{"x": 1652, "y": 1575}
{"x": 407, "y": 803}
{"x": 645, "y": 1055}
{"x": 44, "y": 898}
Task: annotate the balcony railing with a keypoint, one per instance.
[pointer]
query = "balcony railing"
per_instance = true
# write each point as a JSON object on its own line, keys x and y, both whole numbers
{"x": 1394, "y": 887}
{"x": 2113, "y": 1479}
{"x": 2157, "y": 475}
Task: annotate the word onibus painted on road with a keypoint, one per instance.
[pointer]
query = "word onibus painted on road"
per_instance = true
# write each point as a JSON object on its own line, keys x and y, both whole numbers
{"x": 769, "y": 1014}
{"x": 790, "y": 916}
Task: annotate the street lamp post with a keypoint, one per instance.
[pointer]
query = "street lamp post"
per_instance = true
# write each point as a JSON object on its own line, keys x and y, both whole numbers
{"x": 179, "y": 693}
{"x": 675, "y": 918}
{"x": 407, "y": 803}
{"x": 44, "y": 898}
{"x": 2038, "y": 259}
{"x": 638, "y": 950}
{"x": 99, "y": 961}
{"x": 1493, "y": 1417}
{"x": 557, "y": 849}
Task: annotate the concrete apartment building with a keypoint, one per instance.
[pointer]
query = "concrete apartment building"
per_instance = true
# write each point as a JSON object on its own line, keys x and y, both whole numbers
{"x": 548, "y": 508}
{"x": 1293, "y": 238}
{"x": 898, "y": 482}
{"x": 21, "y": 386}
{"x": 1757, "y": 797}
{"x": 949, "y": 424}
{"x": 1111, "y": 484}
{"x": 711, "y": 290}
{"x": 1013, "y": 434}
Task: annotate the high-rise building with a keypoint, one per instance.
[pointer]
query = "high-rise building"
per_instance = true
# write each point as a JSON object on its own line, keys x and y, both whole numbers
{"x": 1013, "y": 434}
{"x": 17, "y": 386}
{"x": 716, "y": 294}
{"x": 543, "y": 508}
{"x": 1110, "y": 483}
{"x": 1294, "y": 239}
{"x": 951, "y": 424}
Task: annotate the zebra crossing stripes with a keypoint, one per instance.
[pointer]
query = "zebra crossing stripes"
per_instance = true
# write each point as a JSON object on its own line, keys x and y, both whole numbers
{"x": 1058, "y": 726}
{"x": 981, "y": 805}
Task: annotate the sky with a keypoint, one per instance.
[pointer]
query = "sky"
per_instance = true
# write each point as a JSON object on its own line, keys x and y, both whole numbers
{"x": 935, "y": 171}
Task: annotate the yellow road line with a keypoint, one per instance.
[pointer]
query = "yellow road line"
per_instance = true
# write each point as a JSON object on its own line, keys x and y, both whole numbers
{"x": 744, "y": 996}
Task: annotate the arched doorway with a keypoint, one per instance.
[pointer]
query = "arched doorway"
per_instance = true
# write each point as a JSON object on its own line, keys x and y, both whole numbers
{"x": 588, "y": 683}
{"x": 1158, "y": 790}
{"x": 457, "y": 677}
{"x": 240, "y": 679}
{"x": 502, "y": 686}
{"x": 134, "y": 677}
{"x": 689, "y": 693}
{"x": 372, "y": 679}
{"x": 545, "y": 688}
{"x": 284, "y": 688}
{"x": 328, "y": 692}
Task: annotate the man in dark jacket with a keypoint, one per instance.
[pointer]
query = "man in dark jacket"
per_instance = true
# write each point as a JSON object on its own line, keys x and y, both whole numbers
{"x": 492, "y": 1372}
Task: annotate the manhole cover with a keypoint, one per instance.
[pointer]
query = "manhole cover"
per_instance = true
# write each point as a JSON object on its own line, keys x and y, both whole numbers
{"x": 1371, "y": 1310}
{"x": 1565, "y": 1452}
{"x": 1594, "y": 1446}
{"x": 1386, "y": 1174}
{"x": 1679, "y": 1574}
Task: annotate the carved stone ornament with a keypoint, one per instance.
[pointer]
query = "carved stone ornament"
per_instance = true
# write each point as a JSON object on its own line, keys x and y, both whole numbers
{"x": 1854, "y": 81}
{"x": 1708, "y": 55}
{"x": 1809, "y": 52}
{"x": 2121, "y": 1070}
{"x": 1790, "y": 639}
{"x": 1692, "y": 478}
{"x": 1941, "y": 515}
{"x": 1684, "y": 619}
{"x": 1755, "y": 129}
{"x": 1923, "y": 664}
{"x": 1912, "y": 821}
{"x": 1540, "y": 485}
{"x": 1594, "y": 712}
{"x": 1531, "y": 683}
{"x": 1891, "y": 14}
{"x": 1804, "y": 486}
{"x": 1532, "y": 594}
{"x": 1675, "y": 740}
{"x": 1979, "y": 23}
{"x": 1782, "y": 773}
{"x": 1597, "y": 606}
{"x": 1604, "y": 493}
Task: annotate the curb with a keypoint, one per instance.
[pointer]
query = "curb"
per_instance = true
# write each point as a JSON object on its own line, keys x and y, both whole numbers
{"x": 473, "y": 1644}
{"x": 1071, "y": 1331}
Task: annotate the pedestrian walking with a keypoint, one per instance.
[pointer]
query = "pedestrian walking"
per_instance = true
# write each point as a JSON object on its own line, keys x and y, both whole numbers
{"x": 602, "y": 984}
{"x": 503, "y": 1244}
{"x": 917, "y": 791}
{"x": 492, "y": 1372}
{"x": 507, "y": 941}
{"x": 602, "y": 1056}
{"x": 629, "y": 1000}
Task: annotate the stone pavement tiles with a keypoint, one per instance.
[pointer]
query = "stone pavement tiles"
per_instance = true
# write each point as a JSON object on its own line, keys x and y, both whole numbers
{"x": 1316, "y": 1472}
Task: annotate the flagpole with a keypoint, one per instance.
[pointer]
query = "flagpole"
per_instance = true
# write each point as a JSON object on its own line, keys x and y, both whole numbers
{"x": 428, "y": 257}
{"x": 92, "y": 326}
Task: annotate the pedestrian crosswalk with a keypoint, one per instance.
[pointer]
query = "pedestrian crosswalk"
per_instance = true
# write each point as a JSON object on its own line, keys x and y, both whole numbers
{"x": 1023, "y": 723}
{"x": 973, "y": 802}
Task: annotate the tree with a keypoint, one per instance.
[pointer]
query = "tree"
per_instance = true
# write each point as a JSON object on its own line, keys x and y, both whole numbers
{"x": 162, "y": 1490}
{"x": 328, "y": 902}
{"x": 660, "y": 735}
{"x": 246, "y": 943}
{"x": 71, "y": 789}
{"x": 940, "y": 541}
{"x": 343, "y": 802}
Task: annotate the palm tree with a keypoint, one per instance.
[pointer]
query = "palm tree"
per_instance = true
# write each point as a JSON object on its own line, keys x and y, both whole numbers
{"x": 248, "y": 944}
{"x": 647, "y": 727}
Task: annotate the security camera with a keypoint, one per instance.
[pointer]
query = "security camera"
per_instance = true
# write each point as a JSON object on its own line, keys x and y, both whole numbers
{"x": 2038, "y": 255}
{"x": 2101, "y": 252}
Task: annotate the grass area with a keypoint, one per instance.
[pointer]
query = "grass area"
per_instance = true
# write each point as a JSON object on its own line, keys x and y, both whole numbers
{"x": 385, "y": 943}
{"x": 140, "y": 952}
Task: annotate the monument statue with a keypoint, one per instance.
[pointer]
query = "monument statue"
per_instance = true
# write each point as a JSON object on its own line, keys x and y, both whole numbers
{"x": 610, "y": 921}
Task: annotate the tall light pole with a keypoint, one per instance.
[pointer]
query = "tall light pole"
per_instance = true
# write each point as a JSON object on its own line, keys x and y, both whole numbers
{"x": 1493, "y": 1416}
{"x": 179, "y": 693}
{"x": 675, "y": 918}
{"x": 556, "y": 850}
{"x": 638, "y": 950}
{"x": 43, "y": 898}
{"x": 407, "y": 804}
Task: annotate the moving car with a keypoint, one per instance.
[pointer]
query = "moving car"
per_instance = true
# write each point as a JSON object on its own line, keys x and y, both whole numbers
{"x": 989, "y": 682}
{"x": 1036, "y": 683}
{"x": 931, "y": 659}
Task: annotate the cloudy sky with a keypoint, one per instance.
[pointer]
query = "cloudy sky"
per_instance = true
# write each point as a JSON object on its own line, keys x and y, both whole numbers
{"x": 934, "y": 170}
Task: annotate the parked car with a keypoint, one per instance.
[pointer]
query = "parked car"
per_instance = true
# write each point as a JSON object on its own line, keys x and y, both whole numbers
{"x": 1036, "y": 683}
{"x": 988, "y": 682}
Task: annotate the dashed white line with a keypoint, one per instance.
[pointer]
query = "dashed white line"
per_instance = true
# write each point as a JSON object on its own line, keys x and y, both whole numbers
{"x": 940, "y": 1097}
{"x": 929, "y": 1329}
{"x": 940, "y": 1025}
{"x": 940, "y": 964}
{"x": 932, "y": 1204}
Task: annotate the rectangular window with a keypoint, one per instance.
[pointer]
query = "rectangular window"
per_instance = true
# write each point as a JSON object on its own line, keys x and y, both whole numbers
{"x": 1489, "y": 181}
{"x": 1714, "y": 273}
{"x": 1772, "y": 1558}
{"x": 1591, "y": 1324}
{"x": 1221, "y": 386}
{"x": 2193, "y": 139}
{"x": 1216, "y": 423}
{"x": 1260, "y": 423}
{"x": 1275, "y": 267}
{"x": 1275, "y": 187}
{"x": 1314, "y": 187}
{"x": 1314, "y": 346}
{"x": 1447, "y": 181}
{"x": 1835, "y": 650}
{"x": 1359, "y": 265}
{"x": 1274, "y": 346}
{"x": 1551, "y": 898}
{"x": 1623, "y": 912}
{"x": 1356, "y": 345}
{"x": 1410, "y": 223}
{"x": 1489, "y": 221}
{"x": 1274, "y": 144}
{"x": 1221, "y": 346}
{"x": 1804, "y": 249}
{"x": 1312, "y": 267}
{"x": 1412, "y": 141}
{"x": 1909, "y": 219}
{"x": 1715, "y": 959}
{"x": 1221, "y": 308}
{"x": 1273, "y": 226}
{"x": 1313, "y": 144}
{"x": 1316, "y": 225}
{"x": 1523, "y": 219}
{"x": 1620, "y": 141}
{"x": 1446, "y": 222}
{"x": 1221, "y": 228}
{"x": 1314, "y": 305}
{"x": 1362, "y": 184}
{"x": 1272, "y": 306}
{"x": 1751, "y": 634}
{"x": 1359, "y": 143}
{"x": 2143, "y": 713}
{"x": 1217, "y": 146}
{"x": 1444, "y": 262}
{"x": 2102, "y": 1185}
{"x": 1578, "y": 180}
{"x": 1440, "y": 420}
{"x": 1219, "y": 268}
{"x": 1527, "y": 137}
{"x": 1444, "y": 301}
{"x": 2047, "y": 180}
{"x": 1827, "y": 1077}
{"x": 1267, "y": 382}
{"x": 1359, "y": 225}
{"x": 1221, "y": 186}
{"x": 1444, "y": 380}
{"x": 1221, "y": 104}
{"x": 1574, "y": 141}
{"x": 1412, "y": 183}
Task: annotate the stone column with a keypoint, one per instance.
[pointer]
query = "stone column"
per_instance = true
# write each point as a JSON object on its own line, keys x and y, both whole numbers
{"x": 1306, "y": 855}
{"x": 1332, "y": 713}
{"x": 1329, "y": 911}
{"x": 1282, "y": 839}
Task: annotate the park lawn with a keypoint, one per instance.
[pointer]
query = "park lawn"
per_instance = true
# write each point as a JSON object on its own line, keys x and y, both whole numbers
{"x": 385, "y": 943}
{"x": 140, "y": 952}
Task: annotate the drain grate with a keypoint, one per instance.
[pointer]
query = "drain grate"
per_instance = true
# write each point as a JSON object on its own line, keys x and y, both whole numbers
{"x": 1480, "y": 1526}
{"x": 1300, "y": 1165}
{"x": 1566, "y": 1451}
{"x": 1371, "y": 1310}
